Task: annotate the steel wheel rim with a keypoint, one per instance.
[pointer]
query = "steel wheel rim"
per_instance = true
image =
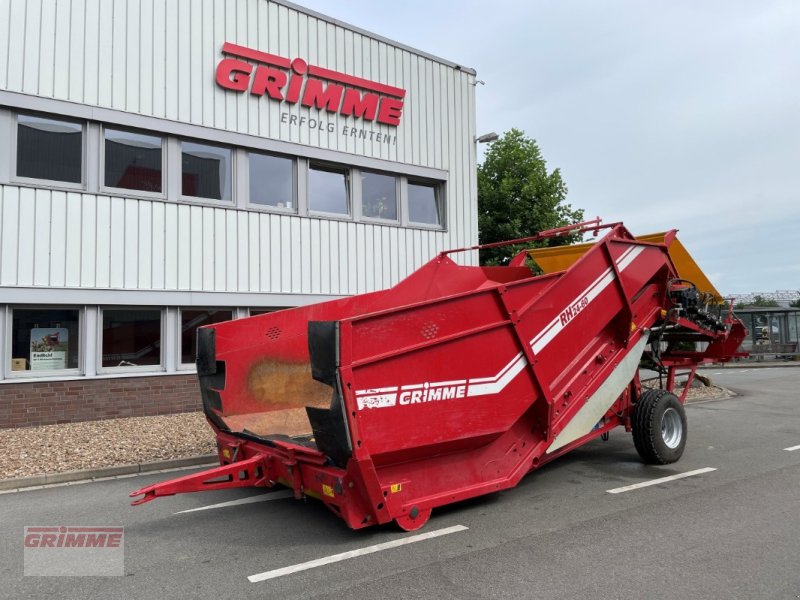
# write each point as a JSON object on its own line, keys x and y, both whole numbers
{"x": 671, "y": 428}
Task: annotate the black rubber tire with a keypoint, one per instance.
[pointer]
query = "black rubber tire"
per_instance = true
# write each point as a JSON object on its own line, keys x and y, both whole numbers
{"x": 648, "y": 415}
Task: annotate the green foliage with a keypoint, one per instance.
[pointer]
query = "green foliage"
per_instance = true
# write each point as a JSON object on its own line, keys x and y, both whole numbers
{"x": 795, "y": 304}
{"x": 758, "y": 302}
{"x": 517, "y": 197}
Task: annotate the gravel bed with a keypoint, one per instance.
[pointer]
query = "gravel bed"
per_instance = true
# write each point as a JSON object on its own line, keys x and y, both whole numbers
{"x": 72, "y": 446}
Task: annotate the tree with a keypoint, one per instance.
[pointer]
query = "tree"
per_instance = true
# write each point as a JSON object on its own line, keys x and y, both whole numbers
{"x": 795, "y": 304}
{"x": 759, "y": 302}
{"x": 517, "y": 197}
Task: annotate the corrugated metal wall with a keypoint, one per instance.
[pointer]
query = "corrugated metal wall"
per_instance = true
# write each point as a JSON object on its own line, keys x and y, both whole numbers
{"x": 69, "y": 239}
{"x": 157, "y": 58}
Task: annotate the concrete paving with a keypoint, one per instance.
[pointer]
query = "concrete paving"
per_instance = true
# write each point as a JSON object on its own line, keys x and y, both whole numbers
{"x": 728, "y": 533}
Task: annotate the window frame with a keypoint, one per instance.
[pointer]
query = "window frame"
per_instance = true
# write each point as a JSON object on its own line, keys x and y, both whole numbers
{"x": 331, "y": 167}
{"x": 8, "y": 319}
{"x": 161, "y": 367}
{"x": 190, "y": 366}
{"x": 248, "y": 204}
{"x": 48, "y": 183}
{"x": 397, "y": 197}
{"x": 181, "y": 197}
{"x": 439, "y": 200}
{"x": 127, "y": 192}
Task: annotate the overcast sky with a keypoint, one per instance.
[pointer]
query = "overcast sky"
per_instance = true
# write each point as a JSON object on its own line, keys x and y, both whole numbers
{"x": 663, "y": 114}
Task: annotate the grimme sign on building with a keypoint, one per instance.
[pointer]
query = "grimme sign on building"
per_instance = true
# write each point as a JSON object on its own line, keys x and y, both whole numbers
{"x": 296, "y": 82}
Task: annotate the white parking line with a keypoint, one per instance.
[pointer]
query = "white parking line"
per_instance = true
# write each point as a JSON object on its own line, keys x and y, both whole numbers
{"x": 312, "y": 564}
{"x": 643, "y": 484}
{"x": 792, "y": 448}
{"x": 249, "y": 500}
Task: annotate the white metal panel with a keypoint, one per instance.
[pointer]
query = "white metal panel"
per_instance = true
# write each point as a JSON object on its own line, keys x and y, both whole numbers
{"x": 88, "y": 240}
{"x": 131, "y": 243}
{"x": 308, "y": 255}
{"x": 9, "y": 242}
{"x": 176, "y": 242}
{"x": 58, "y": 238}
{"x": 192, "y": 254}
{"x": 316, "y": 270}
{"x": 30, "y": 80}
{"x": 158, "y": 244}
{"x": 77, "y": 39}
{"x": 296, "y": 243}
{"x": 27, "y": 237}
{"x": 40, "y": 234}
{"x": 92, "y": 57}
{"x": 228, "y": 219}
{"x": 103, "y": 264}
{"x": 253, "y": 254}
{"x": 5, "y": 11}
{"x": 105, "y": 54}
{"x": 218, "y": 234}
{"x": 243, "y": 251}
{"x": 117, "y": 274}
{"x": 145, "y": 271}
{"x": 46, "y": 57}
{"x": 286, "y": 243}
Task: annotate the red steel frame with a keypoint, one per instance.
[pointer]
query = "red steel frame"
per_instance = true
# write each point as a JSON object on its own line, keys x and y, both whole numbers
{"x": 458, "y": 381}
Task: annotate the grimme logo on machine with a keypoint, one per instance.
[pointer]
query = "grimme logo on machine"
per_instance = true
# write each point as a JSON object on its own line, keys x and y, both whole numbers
{"x": 295, "y": 81}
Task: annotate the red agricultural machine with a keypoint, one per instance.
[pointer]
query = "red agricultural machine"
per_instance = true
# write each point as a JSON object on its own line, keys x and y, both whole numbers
{"x": 459, "y": 380}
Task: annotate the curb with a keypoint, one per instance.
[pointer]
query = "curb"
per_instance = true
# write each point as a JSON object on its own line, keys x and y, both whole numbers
{"x": 104, "y": 472}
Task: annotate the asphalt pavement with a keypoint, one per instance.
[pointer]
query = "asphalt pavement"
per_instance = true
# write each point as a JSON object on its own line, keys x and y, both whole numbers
{"x": 730, "y": 531}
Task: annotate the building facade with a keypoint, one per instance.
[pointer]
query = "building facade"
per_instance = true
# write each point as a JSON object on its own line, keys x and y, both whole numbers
{"x": 168, "y": 164}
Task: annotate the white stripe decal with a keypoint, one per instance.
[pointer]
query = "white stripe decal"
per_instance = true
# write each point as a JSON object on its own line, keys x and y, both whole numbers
{"x": 376, "y": 391}
{"x": 643, "y": 484}
{"x": 377, "y": 401}
{"x": 481, "y": 389}
{"x": 481, "y": 386}
{"x": 319, "y": 562}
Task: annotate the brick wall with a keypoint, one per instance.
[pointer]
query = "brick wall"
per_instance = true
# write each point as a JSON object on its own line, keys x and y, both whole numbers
{"x": 49, "y": 402}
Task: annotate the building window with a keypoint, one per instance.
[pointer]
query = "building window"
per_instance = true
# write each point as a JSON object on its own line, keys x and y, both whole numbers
{"x": 254, "y": 312}
{"x": 191, "y": 319}
{"x": 271, "y": 181}
{"x": 206, "y": 171}
{"x": 133, "y": 161}
{"x": 328, "y": 190}
{"x": 45, "y": 339}
{"x": 378, "y": 196}
{"x": 423, "y": 203}
{"x": 131, "y": 337}
{"x": 49, "y": 149}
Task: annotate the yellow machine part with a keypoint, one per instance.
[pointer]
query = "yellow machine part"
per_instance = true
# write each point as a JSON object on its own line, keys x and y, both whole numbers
{"x": 552, "y": 260}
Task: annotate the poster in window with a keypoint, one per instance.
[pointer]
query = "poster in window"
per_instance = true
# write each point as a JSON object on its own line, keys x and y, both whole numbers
{"x": 49, "y": 348}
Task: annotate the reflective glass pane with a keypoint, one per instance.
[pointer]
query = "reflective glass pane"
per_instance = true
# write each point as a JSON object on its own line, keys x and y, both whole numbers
{"x": 49, "y": 149}
{"x": 271, "y": 180}
{"x": 422, "y": 204}
{"x": 131, "y": 337}
{"x": 378, "y": 196}
{"x": 190, "y": 321}
{"x": 132, "y": 160}
{"x": 44, "y": 339}
{"x": 327, "y": 190}
{"x": 206, "y": 171}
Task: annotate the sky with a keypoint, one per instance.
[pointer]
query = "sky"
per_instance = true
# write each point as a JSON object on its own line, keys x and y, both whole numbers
{"x": 680, "y": 114}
